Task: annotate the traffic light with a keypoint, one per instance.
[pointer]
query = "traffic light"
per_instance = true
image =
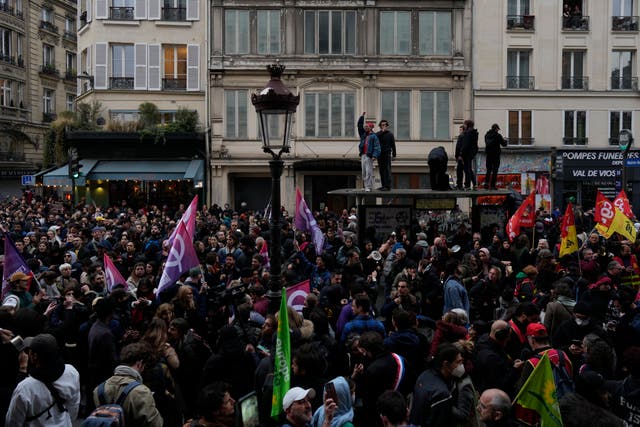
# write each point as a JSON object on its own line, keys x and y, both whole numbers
{"x": 74, "y": 164}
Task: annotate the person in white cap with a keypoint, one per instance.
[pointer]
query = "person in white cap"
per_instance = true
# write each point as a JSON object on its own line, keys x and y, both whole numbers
{"x": 11, "y": 304}
{"x": 296, "y": 405}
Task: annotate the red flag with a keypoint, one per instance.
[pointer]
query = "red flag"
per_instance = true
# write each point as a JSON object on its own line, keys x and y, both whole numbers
{"x": 264, "y": 252}
{"x": 604, "y": 211}
{"x": 569, "y": 241}
{"x": 112, "y": 275}
{"x": 525, "y": 216}
{"x": 622, "y": 202}
{"x": 297, "y": 294}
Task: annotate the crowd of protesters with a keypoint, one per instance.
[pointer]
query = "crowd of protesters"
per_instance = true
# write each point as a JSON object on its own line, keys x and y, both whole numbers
{"x": 419, "y": 328}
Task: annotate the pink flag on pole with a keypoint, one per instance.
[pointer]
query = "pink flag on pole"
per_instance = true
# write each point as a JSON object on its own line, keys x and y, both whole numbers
{"x": 264, "y": 252}
{"x": 182, "y": 257}
{"x": 112, "y": 275}
{"x": 305, "y": 221}
{"x": 189, "y": 218}
{"x": 297, "y": 294}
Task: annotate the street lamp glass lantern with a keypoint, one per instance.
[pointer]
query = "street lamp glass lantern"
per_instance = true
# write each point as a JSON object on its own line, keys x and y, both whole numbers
{"x": 275, "y": 106}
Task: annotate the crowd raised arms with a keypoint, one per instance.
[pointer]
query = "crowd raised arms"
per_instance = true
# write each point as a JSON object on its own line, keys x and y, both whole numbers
{"x": 101, "y": 313}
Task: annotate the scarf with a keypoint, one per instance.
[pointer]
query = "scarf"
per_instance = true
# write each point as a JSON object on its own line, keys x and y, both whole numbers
{"x": 344, "y": 411}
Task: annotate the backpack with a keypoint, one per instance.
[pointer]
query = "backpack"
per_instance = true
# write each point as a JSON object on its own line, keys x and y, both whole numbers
{"x": 109, "y": 414}
{"x": 564, "y": 382}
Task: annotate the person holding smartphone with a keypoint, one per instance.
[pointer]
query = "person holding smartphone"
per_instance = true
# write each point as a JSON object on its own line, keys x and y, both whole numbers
{"x": 337, "y": 410}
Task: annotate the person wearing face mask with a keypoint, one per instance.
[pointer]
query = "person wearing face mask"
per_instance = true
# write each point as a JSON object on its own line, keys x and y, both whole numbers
{"x": 433, "y": 401}
{"x": 570, "y": 333}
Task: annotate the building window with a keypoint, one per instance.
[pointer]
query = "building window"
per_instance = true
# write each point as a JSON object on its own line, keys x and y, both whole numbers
{"x": 330, "y": 32}
{"x": 395, "y": 33}
{"x": 518, "y": 7}
{"x": 19, "y": 47}
{"x": 70, "y": 101}
{"x": 520, "y": 128}
{"x": 518, "y": 70}
{"x": 396, "y": 107}
{"x": 122, "y": 10}
{"x": 20, "y": 95}
{"x": 5, "y": 93}
{"x": 167, "y": 117}
{"x": 618, "y": 120}
{"x": 268, "y": 28}
{"x": 573, "y": 70}
{"x": 69, "y": 25}
{"x": 434, "y": 115}
{"x": 622, "y": 70}
{"x": 48, "y": 57}
{"x": 5, "y": 45}
{"x": 519, "y": 15}
{"x": 175, "y": 67}
{"x": 70, "y": 62}
{"x": 174, "y": 10}
{"x": 123, "y": 116}
{"x": 48, "y": 101}
{"x": 47, "y": 15}
{"x": 236, "y": 31}
{"x": 122, "y": 66}
{"x": 235, "y": 113}
{"x": 330, "y": 114}
{"x": 435, "y": 33}
{"x": 575, "y": 128}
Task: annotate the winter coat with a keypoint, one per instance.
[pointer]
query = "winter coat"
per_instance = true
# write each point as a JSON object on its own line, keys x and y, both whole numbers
{"x": 494, "y": 141}
{"x": 139, "y": 406}
{"x": 492, "y": 367}
{"x": 469, "y": 147}
{"x": 447, "y": 332}
{"x": 432, "y": 400}
{"x": 373, "y": 144}
{"x": 625, "y": 399}
{"x": 577, "y": 411}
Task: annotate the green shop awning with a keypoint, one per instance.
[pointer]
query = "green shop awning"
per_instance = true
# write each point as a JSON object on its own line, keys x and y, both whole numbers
{"x": 60, "y": 176}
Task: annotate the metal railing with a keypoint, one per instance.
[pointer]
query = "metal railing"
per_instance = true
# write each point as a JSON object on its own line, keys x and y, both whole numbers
{"x": 6, "y": 8}
{"x": 49, "y": 117}
{"x": 520, "y": 82}
{"x": 7, "y": 59}
{"x": 624, "y": 23}
{"x": 570, "y": 140}
{"x": 48, "y": 26}
{"x": 579, "y": 83}
{"x": 624, "y": 83}
{"x": 70, "y": 35}
{"x": 174, "y": 13}
{"x": 575, "y": 23}
{"x": 520, "y": 22}
{"x": 49, "y": 69}
{"x": 121, "y": 83}
{"x": 174, "y": 84}
{"x": 12, "y": 156}
{"x": 521, "y": 141}
{"x": 14, "y": 112}
{"x": 70, "y": 75}
{"x": 121, "y": 13}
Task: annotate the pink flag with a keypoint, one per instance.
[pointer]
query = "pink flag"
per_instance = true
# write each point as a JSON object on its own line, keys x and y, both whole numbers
{"x": 264, "y": 252}
{"x": 112, "y": 275}
{"x": 297, "y": 294}
{"x": 182, "y": 257}
{"x": 304, "y": 221}
{"x": 189, "y": 218}
{"x": 13, "y": 263}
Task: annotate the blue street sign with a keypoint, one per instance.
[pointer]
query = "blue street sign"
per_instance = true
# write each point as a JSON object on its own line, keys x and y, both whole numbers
{"x": 635, "y": 162}
{"x": 28, "y": 180}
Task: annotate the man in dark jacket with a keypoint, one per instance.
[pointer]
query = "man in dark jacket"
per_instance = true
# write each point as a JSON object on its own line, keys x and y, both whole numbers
{"x": 432, "y": 399}
{"x": 468, "y": 152}
{"x": 625, "y": 394}
{"x": 494, "y": 141}
{"x": 387, "y": 152}
{"x": 437, "y": 161}
{"x": 459, "y": 162}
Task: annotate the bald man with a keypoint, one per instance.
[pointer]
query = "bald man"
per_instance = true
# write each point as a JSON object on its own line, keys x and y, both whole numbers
{"x": 493, "y": 367}
{"x": 494, "y": 407}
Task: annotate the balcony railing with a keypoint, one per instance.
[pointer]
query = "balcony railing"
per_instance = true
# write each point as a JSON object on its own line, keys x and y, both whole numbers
{"x": 520, "y": 82}
{"x": 521, "y": 141}
{"x": 520, "y": 22}
{"x": 49, "y": 69}
{"x": 20, "y": 61}
{"x": 70, "y": 75}
{"x": 49, "y": 117}
{"x": 624, "y": 23}
{"x": 174, "y": 84}
{"x": 570, "y": 140}
{"x": 578, "y": 83}
{"x": 7, "y": 59}
{"x": 174, "y": 13}
{"x": 624, "y": 83}
{"x": 121, "y": 83}
{"x": 575, "y": 23}
{"x": 12, "y": 156}
{"x": 48, "y": 26}
{"x": 121, "y": 13}
{"x": 11, "y": 111}
{"x": 4, "y": 7}
{"x": 70, "y": 35}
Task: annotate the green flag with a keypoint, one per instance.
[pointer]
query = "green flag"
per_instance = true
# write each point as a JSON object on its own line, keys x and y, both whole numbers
{"x": 282, "y": 368}
{"x": 539, "y": 394}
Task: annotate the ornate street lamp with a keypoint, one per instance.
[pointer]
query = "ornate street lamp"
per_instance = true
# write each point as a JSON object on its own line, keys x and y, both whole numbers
{"x": 275, "y": 106}
{"x": 625, "y": 141}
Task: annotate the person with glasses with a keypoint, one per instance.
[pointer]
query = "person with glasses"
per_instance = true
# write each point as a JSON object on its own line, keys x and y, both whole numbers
{"x": 387, "y": 152}
{"x": 494, "y": 407}
{"x": 296, "y": 405}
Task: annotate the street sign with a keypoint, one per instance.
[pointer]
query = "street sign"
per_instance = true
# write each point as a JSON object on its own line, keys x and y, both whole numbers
{"x": 28, "y": 180}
